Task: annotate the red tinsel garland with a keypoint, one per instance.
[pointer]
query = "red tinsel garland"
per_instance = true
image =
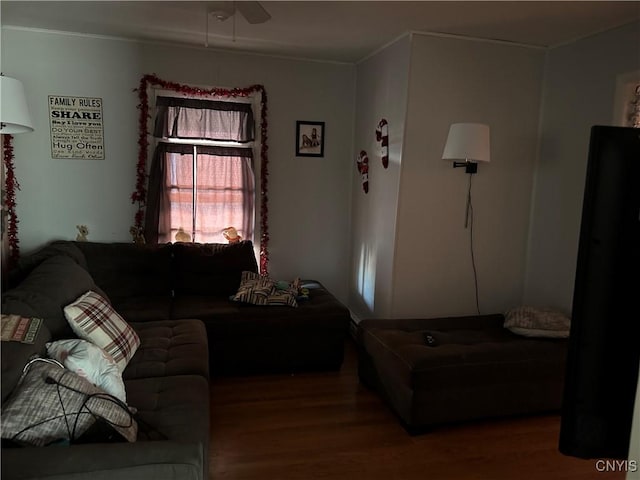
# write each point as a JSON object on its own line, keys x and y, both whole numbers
{"x": 11, "y": 185}
{"x": 140, "y": 194}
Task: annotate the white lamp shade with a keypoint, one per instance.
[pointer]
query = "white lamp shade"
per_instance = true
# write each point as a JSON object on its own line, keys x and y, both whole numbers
{"x": 14, "y": 114}
{"x": 468, "y": 141}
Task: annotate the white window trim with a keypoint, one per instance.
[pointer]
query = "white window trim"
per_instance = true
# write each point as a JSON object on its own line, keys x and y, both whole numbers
{"x": 256, "y": 145}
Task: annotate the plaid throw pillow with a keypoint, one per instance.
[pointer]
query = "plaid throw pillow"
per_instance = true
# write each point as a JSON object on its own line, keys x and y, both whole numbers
{"x": 51, "y": 403}
{"x": 94, "y": 320}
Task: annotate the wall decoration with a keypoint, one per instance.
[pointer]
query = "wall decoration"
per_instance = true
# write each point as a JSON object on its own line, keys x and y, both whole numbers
{"x": 11, "y": 185}
{"x": 362, "y": 162}
{"x": 382, "y": 136}
{"x": 139, "y": 196}
{"x": 76, "y": 126}
{"x": 309, "y": 139}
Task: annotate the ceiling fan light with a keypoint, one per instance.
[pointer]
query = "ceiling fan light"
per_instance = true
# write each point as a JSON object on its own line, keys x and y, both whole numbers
{"x": 220, "y": 15}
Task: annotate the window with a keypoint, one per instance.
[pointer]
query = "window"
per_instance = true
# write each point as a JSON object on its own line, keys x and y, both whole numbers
{"x": 202, "y": 176}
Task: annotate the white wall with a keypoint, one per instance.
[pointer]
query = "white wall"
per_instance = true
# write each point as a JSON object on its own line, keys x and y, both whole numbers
{"x": 56, "y": 195}
{"x": 308, "y": 197}
{"x": 382, "y": 82}
{"x": 580, "y": 87}
{"x": 458, "y": 80}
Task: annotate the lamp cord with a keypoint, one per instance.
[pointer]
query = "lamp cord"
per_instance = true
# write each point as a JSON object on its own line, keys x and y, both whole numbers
{"x": 469, "y": 221}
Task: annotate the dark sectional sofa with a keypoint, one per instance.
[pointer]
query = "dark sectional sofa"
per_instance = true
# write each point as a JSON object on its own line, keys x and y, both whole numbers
{"x": 186, "y": 280}
{"x": 176, "y": 297}
{"x": 166, "y": 381}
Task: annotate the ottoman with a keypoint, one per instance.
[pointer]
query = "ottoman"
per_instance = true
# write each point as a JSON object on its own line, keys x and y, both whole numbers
{"x": 435, "y": 371}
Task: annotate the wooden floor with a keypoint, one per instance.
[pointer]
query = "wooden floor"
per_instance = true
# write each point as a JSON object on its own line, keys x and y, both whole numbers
{"x": 328, "y": 426}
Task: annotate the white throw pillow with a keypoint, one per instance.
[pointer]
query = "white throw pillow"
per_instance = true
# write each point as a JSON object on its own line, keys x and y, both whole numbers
{"x": 91, "y": 362}
{"x": 93, "y": 319}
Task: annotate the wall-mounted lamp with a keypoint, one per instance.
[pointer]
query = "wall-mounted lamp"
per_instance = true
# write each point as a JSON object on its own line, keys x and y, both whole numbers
{"x": 468, "y": 142}
{"x": 14, "y": 114}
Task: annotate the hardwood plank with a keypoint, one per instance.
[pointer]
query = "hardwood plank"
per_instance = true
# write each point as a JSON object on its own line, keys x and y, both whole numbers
{"x": 328, "y": 426}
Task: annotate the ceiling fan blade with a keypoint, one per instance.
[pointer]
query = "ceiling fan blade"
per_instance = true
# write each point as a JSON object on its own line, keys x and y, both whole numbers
{"x": 254, "y": 12}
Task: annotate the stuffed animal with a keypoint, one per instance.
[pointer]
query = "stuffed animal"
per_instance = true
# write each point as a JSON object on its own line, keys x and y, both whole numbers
{"x": 231, "y": 234}
{"x": 182, "y": 236}
{"x": 138, "y": 236}
{"x": 83, "y": 231}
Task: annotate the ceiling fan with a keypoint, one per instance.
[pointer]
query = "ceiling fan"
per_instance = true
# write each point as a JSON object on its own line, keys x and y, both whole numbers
{"x": 252, "y": 11}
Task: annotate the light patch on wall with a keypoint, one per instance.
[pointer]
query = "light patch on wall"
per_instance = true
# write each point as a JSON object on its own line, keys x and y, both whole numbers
{"x": 366, "y": 275}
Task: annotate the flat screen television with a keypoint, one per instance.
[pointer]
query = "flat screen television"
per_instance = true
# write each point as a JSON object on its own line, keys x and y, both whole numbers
{"x": 604, "y": 344}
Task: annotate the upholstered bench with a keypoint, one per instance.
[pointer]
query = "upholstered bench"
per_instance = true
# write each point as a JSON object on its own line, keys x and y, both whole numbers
{"x": 434, "y": 371}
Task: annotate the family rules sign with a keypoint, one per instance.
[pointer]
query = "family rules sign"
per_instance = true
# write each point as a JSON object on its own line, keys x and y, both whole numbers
{"x": 76, "y": 126}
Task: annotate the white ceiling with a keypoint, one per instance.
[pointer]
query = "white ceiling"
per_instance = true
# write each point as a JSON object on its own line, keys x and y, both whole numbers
{"x": 341, "y": 31}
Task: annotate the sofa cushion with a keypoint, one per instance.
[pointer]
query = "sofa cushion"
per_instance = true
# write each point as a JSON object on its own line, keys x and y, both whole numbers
{"x": 249, "y": 339}
{"x": 27, "y": 263}
{"x": 211, "y": 268}
{"x": 322, "y": 311}
{"x": 144, "y": 308}
{"x": 174, "y": 408}
{"x": 224, "y": 317}
{"x": 168, "y": 348}
{"x": 52, "y": 403}
{"x": 52, "y": 285}
{"x": 141, "y": 460}
{"x": 125, "y": 270}
{"x": 93, "y": 319}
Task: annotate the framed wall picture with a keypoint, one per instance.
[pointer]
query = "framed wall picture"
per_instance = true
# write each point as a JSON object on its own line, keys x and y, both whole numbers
{"x": 309, "y": 139}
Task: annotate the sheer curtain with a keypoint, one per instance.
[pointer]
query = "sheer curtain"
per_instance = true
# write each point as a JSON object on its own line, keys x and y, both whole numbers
{"x": 201, "y": 189}
{"x": 225, "y": 193}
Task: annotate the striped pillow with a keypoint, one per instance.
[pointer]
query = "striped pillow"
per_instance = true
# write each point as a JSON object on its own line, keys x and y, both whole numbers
{"x": 258, "y": 290}
{"x": 93, "y": 319}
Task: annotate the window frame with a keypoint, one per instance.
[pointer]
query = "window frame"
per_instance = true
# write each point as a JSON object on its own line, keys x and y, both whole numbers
{"x": 256, "y": 145}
